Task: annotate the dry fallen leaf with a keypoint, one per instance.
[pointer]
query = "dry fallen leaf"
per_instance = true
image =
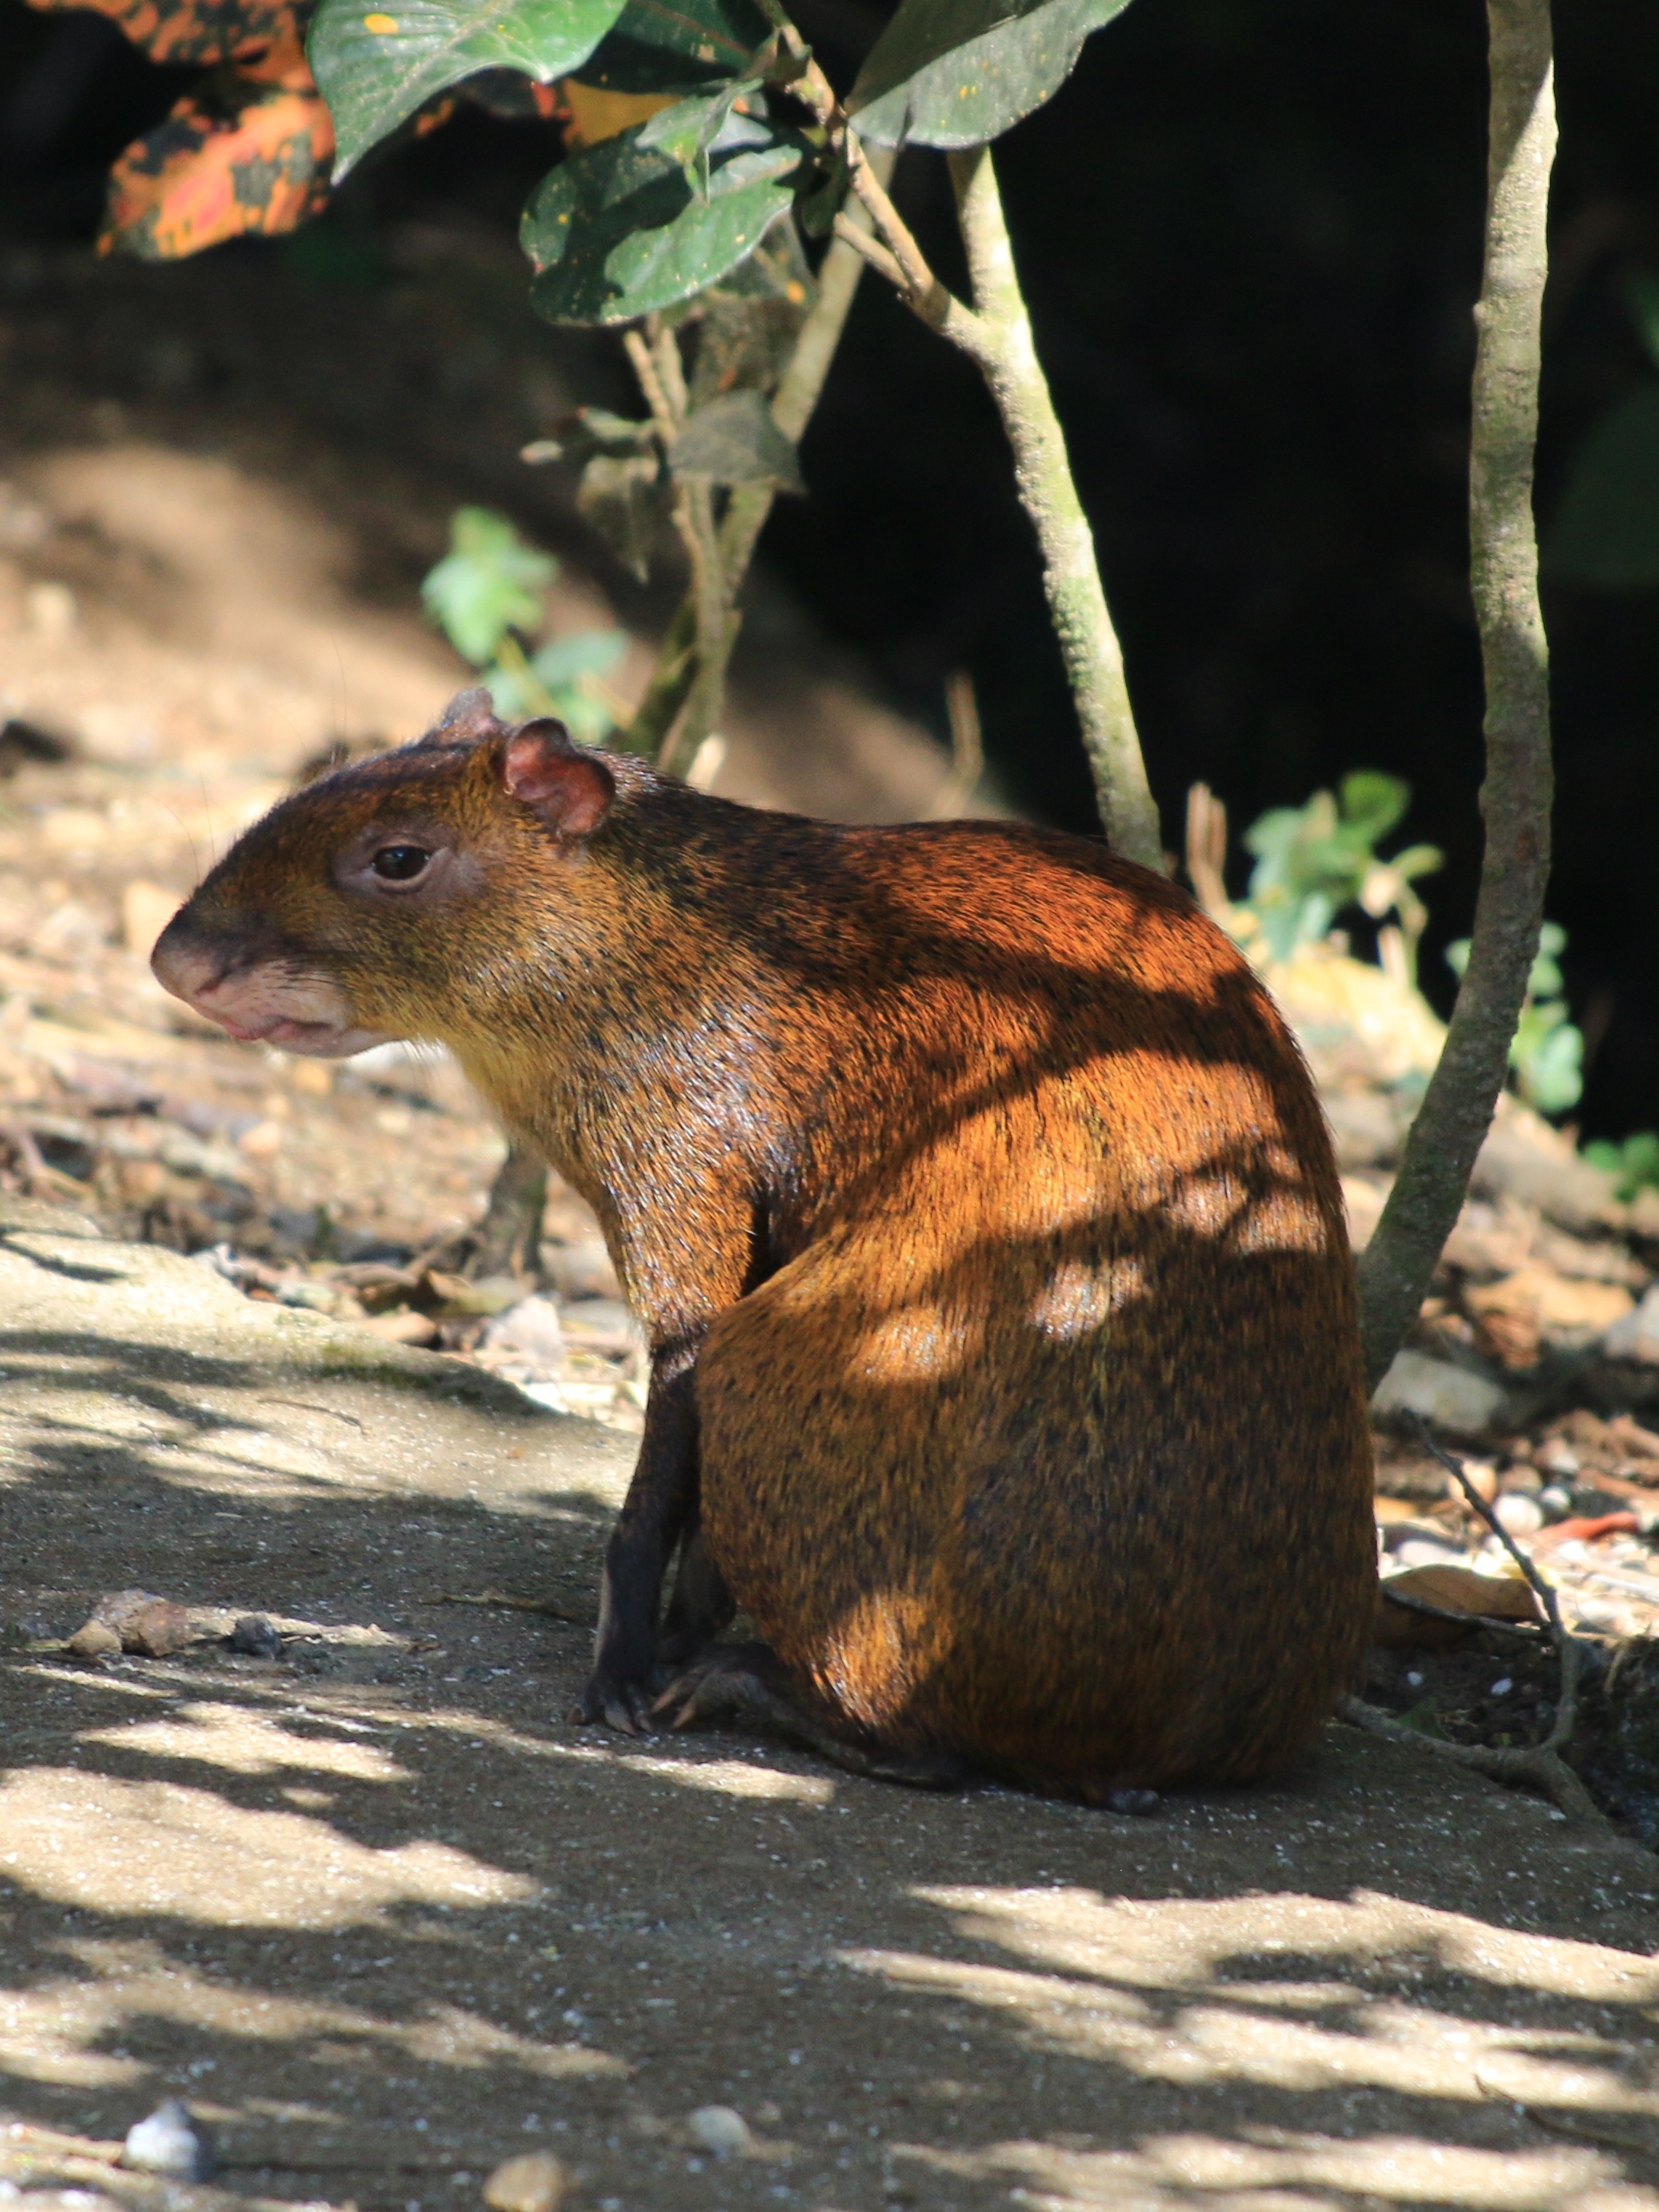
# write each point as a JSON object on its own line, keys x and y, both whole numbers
{"x": 1453, "y": 1589}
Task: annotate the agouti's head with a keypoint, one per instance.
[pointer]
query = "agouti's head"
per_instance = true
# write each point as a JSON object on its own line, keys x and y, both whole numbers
{"x": 371, "y": 905}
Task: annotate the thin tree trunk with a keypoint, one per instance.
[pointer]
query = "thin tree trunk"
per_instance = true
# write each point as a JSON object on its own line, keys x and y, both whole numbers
{"x": 689, "y": 681}
{"x": 510, "y": 1232}
{"x": 1006, "y": 354}
{"x": 1395, "y": 1269}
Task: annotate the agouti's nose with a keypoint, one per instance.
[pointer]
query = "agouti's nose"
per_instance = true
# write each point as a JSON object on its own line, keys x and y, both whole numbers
{"x": 181, "y": 963}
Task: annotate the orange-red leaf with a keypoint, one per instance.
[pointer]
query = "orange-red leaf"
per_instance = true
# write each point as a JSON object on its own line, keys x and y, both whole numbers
{"x": 197, "y": 30}
{"x": 240, "y": 155}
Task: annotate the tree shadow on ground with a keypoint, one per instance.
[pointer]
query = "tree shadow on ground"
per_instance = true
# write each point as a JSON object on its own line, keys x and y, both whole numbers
{"x": 387, "y": 1917}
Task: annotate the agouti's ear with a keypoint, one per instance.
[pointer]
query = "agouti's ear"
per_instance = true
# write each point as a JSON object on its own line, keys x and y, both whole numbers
{"x": 569, "y": 787}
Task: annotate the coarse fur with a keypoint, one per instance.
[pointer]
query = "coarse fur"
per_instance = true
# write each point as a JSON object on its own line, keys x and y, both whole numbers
{"x": 976, "y": 1201}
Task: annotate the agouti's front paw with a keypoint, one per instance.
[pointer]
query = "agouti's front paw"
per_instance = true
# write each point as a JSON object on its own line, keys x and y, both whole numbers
{"x": 619, "y": 1704}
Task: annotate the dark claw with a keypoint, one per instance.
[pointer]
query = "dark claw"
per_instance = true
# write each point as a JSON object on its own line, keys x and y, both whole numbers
{"x": 620, "y": 1706}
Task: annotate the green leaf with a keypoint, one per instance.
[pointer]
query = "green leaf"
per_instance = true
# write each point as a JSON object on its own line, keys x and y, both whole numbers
{"x": 961, "y": 72}
{"x": 733, "y": 440}
{"x": 1418, "y": 860}
{"x": 690, "y": 46}
{"x": 616, "y": 232}
{"x": 490, "y": 582}
{"x": 687, "y": 131}
{"x": 1548, "y": 1055}
{"x": 1605, "y": 531}
{"x": 1634, "y": 1164}
{"x": 1373, "y": 802}
{"x": 374, "y": 66}
{"x": 561, "y": 660}
{"x": 1545, "y": 976}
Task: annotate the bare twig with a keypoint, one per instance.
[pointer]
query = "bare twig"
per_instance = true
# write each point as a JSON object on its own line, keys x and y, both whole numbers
{"x": 671, "y": 681}
{"x": 643, "y": 362}
{"x": 666, "y": 347}
{"x": 967, "y": 749}
{"x": 1541, "y": 1589}
{"x": 704, "y": 634}
{"x": 503, "y": 1601}
{"x": 1541, "y": 1764}
{"x": 858, "y": 236}
{"x": 1396, "y": 1266}
{"x": 43, "y": 1181}
{"x": 1206, "y": 851}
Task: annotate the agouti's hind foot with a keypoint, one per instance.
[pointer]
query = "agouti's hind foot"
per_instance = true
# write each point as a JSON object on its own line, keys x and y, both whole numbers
{"x": 746, "y": 1683}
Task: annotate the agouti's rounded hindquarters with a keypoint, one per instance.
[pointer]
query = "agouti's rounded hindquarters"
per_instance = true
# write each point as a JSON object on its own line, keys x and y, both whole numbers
{"x": 977, "y": 1202}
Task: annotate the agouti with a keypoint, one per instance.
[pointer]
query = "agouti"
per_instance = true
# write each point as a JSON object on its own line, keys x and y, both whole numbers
{"x": 980, "y": 1211}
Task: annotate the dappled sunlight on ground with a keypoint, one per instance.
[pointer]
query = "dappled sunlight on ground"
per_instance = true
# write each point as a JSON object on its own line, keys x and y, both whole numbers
{"x": 386, "y": 1916}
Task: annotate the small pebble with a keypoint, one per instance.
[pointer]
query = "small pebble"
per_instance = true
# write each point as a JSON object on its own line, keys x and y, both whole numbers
{"x": 720, "y": 2129}
{"x": 1503, "y": 1685}
{"x": 534, "y": 2182}
{"x": 255, "y": 1636}
{"x": 170, "y": 2142}
{"x": 1521, "y": 1515}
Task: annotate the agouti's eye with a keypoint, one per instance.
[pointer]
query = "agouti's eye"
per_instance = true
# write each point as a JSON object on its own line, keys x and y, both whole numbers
{"x": 400, "y": 864}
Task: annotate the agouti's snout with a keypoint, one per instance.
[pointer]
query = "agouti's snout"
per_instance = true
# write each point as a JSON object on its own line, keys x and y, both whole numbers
{"x": 257, "y": 996}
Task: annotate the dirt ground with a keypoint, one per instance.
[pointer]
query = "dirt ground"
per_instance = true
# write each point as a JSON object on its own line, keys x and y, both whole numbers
{"x": 386, "y": 1917}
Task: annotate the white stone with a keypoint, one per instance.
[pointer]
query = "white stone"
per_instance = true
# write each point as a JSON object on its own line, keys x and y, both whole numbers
{"x": 1636, "y": 1335}
{"x": 1451, "y": 1398}
{"x": 721, "y": 2128}
{"x": 1521, "y": 1515}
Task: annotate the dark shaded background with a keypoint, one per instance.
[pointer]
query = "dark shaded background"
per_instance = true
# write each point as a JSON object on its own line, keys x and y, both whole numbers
{"x": 1249, "y": 231}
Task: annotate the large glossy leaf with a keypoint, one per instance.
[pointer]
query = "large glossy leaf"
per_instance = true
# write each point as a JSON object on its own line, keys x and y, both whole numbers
{"x": 688, "y": 46}
{"x": 375, "y": 65}
{"x": 961, "y": 72}
{"x": 617, "y": 232}
{"x": 1607, "y": 528}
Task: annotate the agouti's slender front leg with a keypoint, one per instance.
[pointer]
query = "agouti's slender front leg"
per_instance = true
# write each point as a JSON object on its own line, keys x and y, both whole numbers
{"x": 661, "y": 1501}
